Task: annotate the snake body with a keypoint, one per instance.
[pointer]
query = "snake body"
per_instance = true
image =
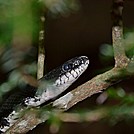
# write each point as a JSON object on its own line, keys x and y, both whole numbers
{"x": 49, "y": 87}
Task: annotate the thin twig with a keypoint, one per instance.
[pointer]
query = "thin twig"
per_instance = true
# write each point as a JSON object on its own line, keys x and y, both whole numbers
{"x": 121, "y": 59}
{"x": 94, "y": 115}
{"x": 41, "y": 50}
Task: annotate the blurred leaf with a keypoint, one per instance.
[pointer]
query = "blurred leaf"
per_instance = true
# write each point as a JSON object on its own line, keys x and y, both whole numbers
{"x": 62, "y": 7}
{"x": 129, "y": 42}
{"x": 120, "y": 92}
{"x": 107, "y": 50}
{"x": 119, "y": 113}
{"x": 106, "y": 56}
{"x": 115, "y": 93}
{"x": 130, "y": 67}
{"x": 30, "y": 68}
{"x": 5, "y": 87}
{"x": 129, "y": 99}
{"x": 54, "y": 122}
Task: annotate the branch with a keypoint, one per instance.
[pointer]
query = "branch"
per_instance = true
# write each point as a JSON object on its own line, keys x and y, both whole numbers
{"x": 103, "y": 81}
{"x": 93, "y": 86}
{"x": 117, "y": 34}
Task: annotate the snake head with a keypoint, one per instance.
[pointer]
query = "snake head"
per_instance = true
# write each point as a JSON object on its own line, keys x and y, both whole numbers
{"x": 58, "y": 80}
{"x": 66, "y": 74}
{"x": 71, "y": 70}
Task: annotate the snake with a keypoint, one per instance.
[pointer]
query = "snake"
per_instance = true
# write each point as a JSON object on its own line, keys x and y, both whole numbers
{"x": 50, "y": 86}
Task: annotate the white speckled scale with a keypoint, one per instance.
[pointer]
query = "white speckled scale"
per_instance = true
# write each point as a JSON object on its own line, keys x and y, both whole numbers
{"x": 12, "y": 118}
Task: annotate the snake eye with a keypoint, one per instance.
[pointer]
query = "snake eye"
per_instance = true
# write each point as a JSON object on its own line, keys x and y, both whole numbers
{"x": 67, "y": 67}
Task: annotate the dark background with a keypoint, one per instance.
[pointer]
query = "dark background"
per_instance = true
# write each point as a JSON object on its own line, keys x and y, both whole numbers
{"x": 82, "y": 33}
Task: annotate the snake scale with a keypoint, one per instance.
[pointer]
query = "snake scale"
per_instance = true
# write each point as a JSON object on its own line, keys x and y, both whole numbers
{"x": 49, "y": 87}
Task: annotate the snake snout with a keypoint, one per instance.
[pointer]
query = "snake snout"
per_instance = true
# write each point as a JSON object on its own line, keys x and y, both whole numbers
{"x": 84, "y": 59}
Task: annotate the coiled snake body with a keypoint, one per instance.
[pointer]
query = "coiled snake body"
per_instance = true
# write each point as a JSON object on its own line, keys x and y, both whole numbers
{"x": 50, "y": 86}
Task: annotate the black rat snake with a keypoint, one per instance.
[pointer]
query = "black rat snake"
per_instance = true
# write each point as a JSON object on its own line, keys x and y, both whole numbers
{"x": 50, "y": 86}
